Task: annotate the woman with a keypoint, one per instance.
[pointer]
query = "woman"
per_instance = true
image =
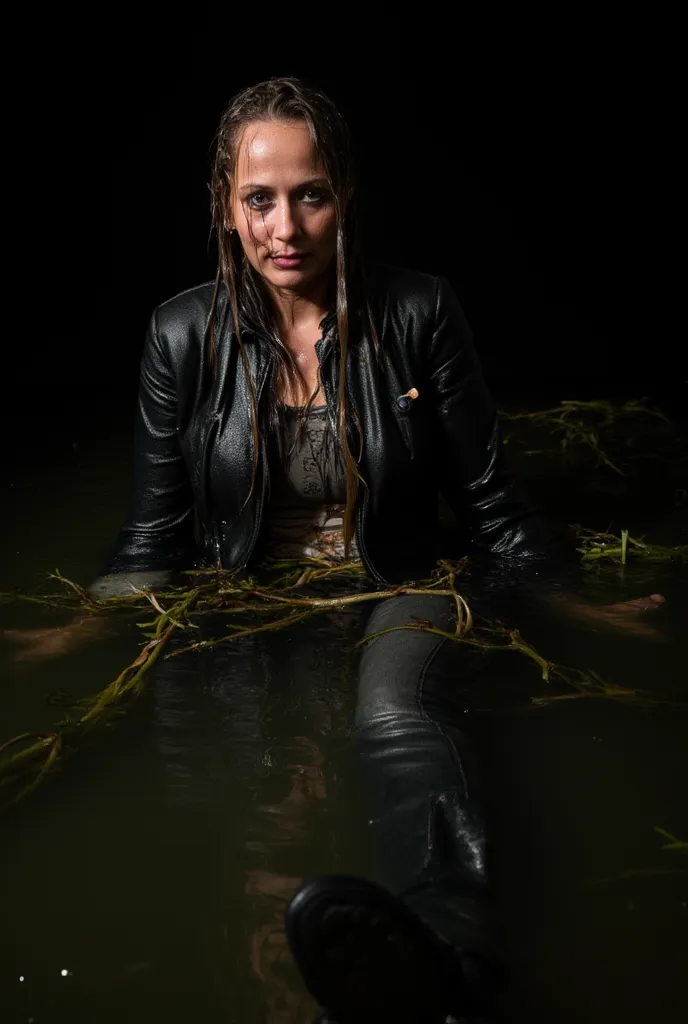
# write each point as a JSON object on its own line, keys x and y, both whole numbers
{"x": 306, "y": 404}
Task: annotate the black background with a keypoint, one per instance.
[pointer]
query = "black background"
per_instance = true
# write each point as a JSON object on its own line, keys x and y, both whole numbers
{"x": 532, "y": 162}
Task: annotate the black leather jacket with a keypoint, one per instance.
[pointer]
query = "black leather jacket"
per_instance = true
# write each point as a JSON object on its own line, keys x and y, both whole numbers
{"x": 194, "y": 447}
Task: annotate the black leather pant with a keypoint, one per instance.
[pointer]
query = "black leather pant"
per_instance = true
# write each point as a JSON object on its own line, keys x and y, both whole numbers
{"x": 422, "y": 775}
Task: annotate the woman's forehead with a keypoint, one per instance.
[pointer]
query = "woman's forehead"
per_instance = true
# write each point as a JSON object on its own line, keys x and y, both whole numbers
{"x": 276, "y": 148}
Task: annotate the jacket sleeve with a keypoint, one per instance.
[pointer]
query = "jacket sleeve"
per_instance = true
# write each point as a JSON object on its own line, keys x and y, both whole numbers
{"x": 473, "y": 469}
{"x": 158, "y": 533}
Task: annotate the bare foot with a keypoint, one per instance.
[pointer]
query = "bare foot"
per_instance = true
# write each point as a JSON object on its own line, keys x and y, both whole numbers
{"x": 625, "y": 616}
{"x": 37, "y": 644}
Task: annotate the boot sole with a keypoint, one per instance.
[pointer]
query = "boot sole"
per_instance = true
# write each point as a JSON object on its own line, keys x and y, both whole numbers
{"x": 365, "y": 956}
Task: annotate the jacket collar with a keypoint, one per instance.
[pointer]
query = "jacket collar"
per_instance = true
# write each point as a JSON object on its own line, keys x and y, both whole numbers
{"x": 328, "y": 322}
{"x": 327, "y": 325}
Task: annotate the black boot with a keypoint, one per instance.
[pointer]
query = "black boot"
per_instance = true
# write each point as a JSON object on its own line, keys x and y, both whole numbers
{"x": 368, "y": 959}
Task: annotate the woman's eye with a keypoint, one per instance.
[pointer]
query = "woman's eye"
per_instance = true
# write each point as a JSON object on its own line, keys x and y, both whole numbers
{"x": 311, "y": 196}
{"x": 259, "y": 200}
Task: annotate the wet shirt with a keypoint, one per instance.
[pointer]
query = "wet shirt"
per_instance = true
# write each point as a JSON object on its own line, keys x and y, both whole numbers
{"x": 304, "y": 516}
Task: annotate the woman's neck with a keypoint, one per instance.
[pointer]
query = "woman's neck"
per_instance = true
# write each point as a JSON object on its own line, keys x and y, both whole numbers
{"x": 297, "y": 311}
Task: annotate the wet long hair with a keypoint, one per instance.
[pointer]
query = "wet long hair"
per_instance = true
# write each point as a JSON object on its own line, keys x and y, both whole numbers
{"x": 292, "y": 100}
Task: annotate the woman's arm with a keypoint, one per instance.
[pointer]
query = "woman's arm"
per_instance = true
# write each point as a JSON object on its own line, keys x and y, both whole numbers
{"x": 474, "y": 473}
{"x": 476, "y": 478}
{"x": 157, "y": 535}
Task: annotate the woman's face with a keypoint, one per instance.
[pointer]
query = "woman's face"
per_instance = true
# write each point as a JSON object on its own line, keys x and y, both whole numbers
{"x": 282, "y": 206}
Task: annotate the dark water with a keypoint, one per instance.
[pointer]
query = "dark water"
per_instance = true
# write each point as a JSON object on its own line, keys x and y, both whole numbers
{"x": 148, "y": 880}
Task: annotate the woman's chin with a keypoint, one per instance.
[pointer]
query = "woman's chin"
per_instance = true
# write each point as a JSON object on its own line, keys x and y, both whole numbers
{"x": 294, "y": 277}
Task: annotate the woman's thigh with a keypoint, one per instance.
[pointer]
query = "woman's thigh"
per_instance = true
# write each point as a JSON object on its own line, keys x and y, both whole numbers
{"x": 394, "y": 667}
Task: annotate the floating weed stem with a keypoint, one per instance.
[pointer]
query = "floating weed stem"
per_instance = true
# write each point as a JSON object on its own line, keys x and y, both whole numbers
{"x": 674, "y": 843}
{"x": 594, "y": 545}
{"x": 580, "y": 683}
{"x": 631, "y": 874}
{"x": 579, "y": 424}
{"x": 278, "y": 601}
{"x": 490, "y": 637}
{"x": 25, "y": 760}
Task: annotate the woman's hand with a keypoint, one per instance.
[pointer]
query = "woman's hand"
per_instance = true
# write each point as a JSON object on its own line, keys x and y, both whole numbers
{"x": 36, "y": 644}
{"x": 626, "y": 617}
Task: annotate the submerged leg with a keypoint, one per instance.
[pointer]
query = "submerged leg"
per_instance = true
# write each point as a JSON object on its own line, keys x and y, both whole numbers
{"x": 421, "y": 771}
{"x": 424, "y": 943}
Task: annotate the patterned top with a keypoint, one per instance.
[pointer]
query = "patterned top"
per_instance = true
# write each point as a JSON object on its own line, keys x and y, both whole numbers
{"x": 305, "y": 512}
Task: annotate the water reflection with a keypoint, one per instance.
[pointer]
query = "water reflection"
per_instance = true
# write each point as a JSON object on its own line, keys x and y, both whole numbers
{"x": 283, "y": 824}
{"x": 267, "y": 733}
{"x": 240, "y": 732}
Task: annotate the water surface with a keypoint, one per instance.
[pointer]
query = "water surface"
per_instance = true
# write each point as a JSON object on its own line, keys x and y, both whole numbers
{"x": 148, "y": 880}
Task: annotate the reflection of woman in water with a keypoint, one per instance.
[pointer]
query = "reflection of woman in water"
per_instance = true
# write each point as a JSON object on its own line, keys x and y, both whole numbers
{"x": 307, "y": 404}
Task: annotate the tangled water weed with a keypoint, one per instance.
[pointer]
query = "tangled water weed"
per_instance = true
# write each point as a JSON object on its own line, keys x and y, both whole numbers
{"x": 277, "y": 598}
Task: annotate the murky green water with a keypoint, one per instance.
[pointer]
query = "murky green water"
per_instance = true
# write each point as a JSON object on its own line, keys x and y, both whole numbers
{"x": 149, "y": 880}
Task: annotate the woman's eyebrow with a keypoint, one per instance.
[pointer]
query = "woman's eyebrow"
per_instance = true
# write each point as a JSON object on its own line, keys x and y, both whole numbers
{"x": 311, "y": 183}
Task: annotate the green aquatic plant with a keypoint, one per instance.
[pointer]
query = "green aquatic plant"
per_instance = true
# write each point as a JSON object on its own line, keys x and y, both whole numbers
{"x": 579, "y": 425}
{"x": 493, "y": 636}
{"x": 26, "y": 759}
{"x": 595, "y": 545}
{"x": 678, "y": 845}
{"x": 276, "y": 601}
{"x": 631, "y": 874}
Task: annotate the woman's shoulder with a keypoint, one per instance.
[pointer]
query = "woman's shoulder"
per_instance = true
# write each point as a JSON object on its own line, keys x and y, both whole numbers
{"x": 414, "y": 290}
{"x": 185, "y": 310}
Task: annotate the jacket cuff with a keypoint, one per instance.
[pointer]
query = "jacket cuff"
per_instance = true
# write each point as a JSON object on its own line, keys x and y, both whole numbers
{"x": 122, "y": 584}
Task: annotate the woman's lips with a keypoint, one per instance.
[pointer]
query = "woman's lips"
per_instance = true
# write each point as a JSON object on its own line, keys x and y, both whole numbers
{"x": 289, "y": 262}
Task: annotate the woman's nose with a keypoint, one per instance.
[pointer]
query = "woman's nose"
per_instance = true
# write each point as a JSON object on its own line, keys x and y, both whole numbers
{"x": 286, "y": 226}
